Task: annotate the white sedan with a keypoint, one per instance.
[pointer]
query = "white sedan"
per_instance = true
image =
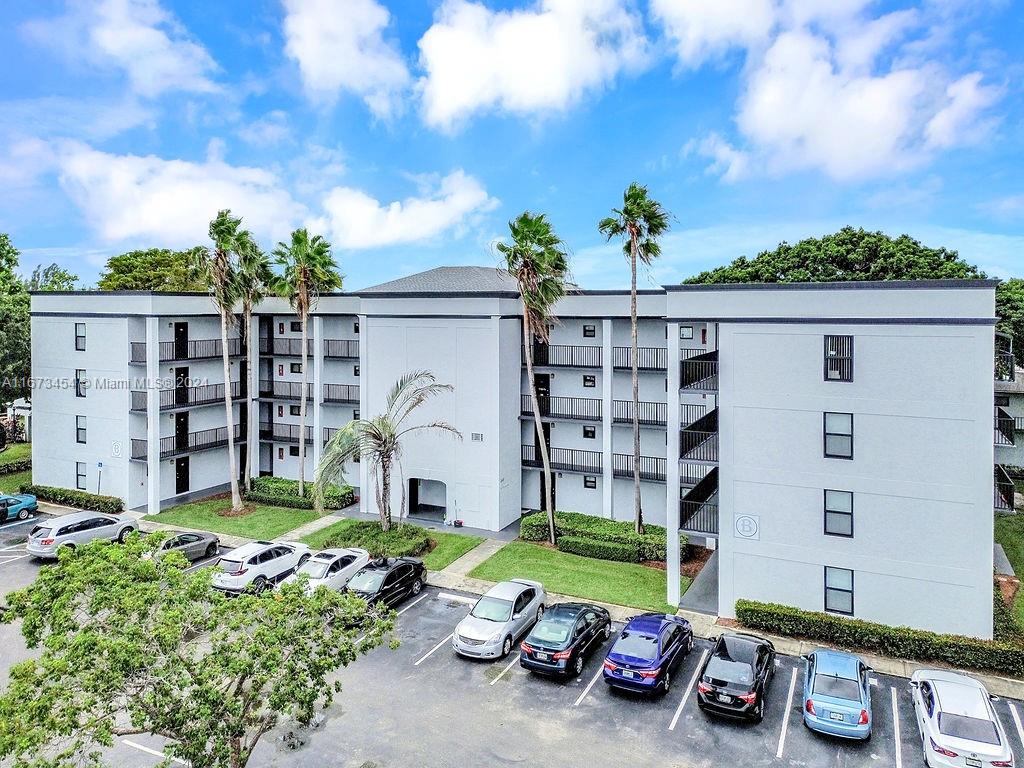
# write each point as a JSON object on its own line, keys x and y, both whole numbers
{"x": 331, "y": 568}
{"x": 958, "y": 725}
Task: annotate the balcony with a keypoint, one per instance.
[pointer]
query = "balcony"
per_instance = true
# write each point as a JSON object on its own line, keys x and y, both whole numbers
{"x": 341, "y": 393}
{"x": 196, "y": 349}
{"x": 565, "y": 355}
{"x": 647, "y": 358}
{"x": 651, "y": 467}
{"x": 284, "y": 347}
{"x": 578, "y": 408}
{"x": 698, "y": 370}
{"x": 184, "y": 397}
{"x": 283, "y": 433}
{"x": 649, "y": 414}
{"x": 688, "y": 414}
{"x": 698, "y": 506}
{"x": 1004, "y": 426}
{"x": 284, "y": 390}
{"x": 564, "y": 459}
{"x": 341, "y": 349}
{"x": 192, "y": 442}
{"x": 1003, "y": 490}
{"x": 329, "y": 432}
{"x": 699, "y": 441}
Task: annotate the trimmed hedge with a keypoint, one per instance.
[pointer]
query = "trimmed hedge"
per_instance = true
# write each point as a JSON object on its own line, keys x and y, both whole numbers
{"x": 282, "y": 492}
{"x": 21, "y": 465}
{"x": 652, "y": 545}
{"x": 898, "y": 642}
{"x": 600, "y": 550}
{"x": 403, "y": 541}
{"x": 111, "y": 505}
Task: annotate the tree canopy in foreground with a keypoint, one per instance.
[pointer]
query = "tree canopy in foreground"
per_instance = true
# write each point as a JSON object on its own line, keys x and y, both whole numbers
{"x": 153, "y": 269}
{"x": 136, "y": 645}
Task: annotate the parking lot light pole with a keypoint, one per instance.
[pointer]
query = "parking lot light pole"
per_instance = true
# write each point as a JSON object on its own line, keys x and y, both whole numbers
{"x": 672, "y": 468}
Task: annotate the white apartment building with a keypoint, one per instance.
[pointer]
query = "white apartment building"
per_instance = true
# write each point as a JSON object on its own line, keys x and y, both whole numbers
{"x": 833, "y": 441}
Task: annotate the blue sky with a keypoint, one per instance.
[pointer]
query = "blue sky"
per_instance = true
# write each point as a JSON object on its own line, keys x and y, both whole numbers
{"x": 408, "y": 133}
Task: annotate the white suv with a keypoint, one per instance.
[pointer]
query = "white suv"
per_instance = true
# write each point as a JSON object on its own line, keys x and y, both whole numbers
{"x": 258, "y": 565}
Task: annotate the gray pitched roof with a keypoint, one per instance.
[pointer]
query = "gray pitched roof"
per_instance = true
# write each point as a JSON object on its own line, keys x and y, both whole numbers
{"x": 449, "y": 280}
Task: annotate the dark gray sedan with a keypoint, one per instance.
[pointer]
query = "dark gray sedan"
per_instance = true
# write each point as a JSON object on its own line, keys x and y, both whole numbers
{"x": 194, "y": 545}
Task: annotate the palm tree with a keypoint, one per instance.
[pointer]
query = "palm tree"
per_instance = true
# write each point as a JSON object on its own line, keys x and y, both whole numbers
{"x": 379, "y": 441}
{"x": 217, "y": 268}
{"x": 307, "y": 271}
{"x": 640, "y": 222}
{"x": 537, "y": 259}
{"x": 253, "y": 279}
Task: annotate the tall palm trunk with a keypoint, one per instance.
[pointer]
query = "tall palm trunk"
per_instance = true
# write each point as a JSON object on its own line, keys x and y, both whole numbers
{"x": 243, "y": 389}
{"x": 634, "y": 352}
{"x": 236, "y": 500}
{"x": 384, "y": 494}
{"x": 549, "y": 505}
{"x": 302, "y": 413}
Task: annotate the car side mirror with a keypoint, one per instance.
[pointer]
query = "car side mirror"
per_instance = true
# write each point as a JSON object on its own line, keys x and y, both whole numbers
{"x": 517, "y": 615}
{"x": 993, "y": 697}
{"x": 913, "y": 684}
{"x": 713, "y": 639}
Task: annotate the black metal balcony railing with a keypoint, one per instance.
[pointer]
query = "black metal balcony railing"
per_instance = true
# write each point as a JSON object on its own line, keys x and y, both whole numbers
{"x": 651, "y": 467}
{"x": 285, "y": 347}
{"x": 647, "y": 358}
{"x": 699, "y": 441}
{"x": 180, "y": 397}
{"x": 341, "y": 393}
{"x": 283, "y": 433}
{"x": 648, "y": 413}
{"x": 698, "y": 508}
{"x": 341, "y": 348}
{"x": 1003, "y": 489}
{"x": 698, "y": 371}
{"x": 691, "y": 474}
{"x": 582, "y": 408}
{"x": 330, "y": 432}
{"x": 284, "y": 390}
{"x": 565, "y": 459}
{"x": 1004, "y": 427}
{"x": 175, "y": 445}
{"x": 196, "y": 349}
{"x": 566, "y": 355}
{"x": 688, "y": 414}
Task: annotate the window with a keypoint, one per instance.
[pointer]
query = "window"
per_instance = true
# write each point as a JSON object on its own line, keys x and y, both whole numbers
{"x": 80, "y": 475}
{"x": 355, "y": 370}
{"x": 589, "y": 381}
{"x": 839, "y": 590}
{"x": 280, "y": 370}
{"x": 589, "y": 331}
{"x": 355, "y": 327}
{"x": 838, "y": 513}
{"x": 79, "y": 382}
{"x": 280, "y": 410}
{"x": 293, "y": 450}
{"x": 295, "y": 367}
{"x": 280, "y": 453}
{"x": 280, "y": 329}
{"x": 355, "y": 415}
{"x": 80, "y": 337}
{"x": 296, "y": 326}
{"x": 838, "y": 435}
{"x": 685, "y": 331}
{"x": 839, "y": 358}
{"x": 1002, "y": 401}
{"x": 295, "y": 410}
{"x": 589, "y": 433}
{"x": 79, "y": 429}
{"x": 589, "y": 481}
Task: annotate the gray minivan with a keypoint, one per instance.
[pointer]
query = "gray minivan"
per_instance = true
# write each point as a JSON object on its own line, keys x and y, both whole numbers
{"x": 77, "y": 528}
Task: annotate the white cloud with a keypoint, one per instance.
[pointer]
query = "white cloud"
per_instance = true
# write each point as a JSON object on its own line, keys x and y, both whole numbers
{"x": 526, "y": 62}
{"x": 957, "y": 122}
{"x": 170, "y": 202}
{"x": 138, "y": 37}
{"x": 343, "y": 49}
{"x": 1009, "y": 207}
{"x": 703, "y": 29}
{"x": 356, "y": 220}
{"x": 267, "y": 131}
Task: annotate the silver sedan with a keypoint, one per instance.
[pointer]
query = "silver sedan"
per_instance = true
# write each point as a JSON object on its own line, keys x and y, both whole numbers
{"x": 194, "y": 545}
{"x": 499, "y": 619}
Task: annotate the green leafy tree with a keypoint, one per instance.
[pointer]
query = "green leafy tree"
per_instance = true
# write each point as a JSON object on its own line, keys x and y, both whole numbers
{"x": 379, "y": 441}
{"x": 640, "y": 222}
{"x": 253, "y": 277}
{"x": 51, "y": 278}
{"x": 153, "y": 269}
{"x": 15, "y": 324}
{"x": 1010, "y": 310}
{"x": 538, "y": 261}
{"x": 307, "y": 270}
{"x": 128, "y": 644}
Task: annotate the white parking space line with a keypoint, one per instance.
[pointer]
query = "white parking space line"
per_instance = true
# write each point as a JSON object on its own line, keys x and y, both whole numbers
{"x": 590, "y": 685}
{"x": 410, "y": 605}
{"x": 456, "y": 598}
{"x": 154, "y": 752}
{"x": 686, "y": 693}
{"x": 896, "y": 727}
{"x": 1016, "y": 720}
{"x": 19, "y": 547}
{"x": 426, "y": 655}
{"x": 4, "y": 559}
{"x": 506, "y": 669}
{"x": 785, "y": 715}
{"x": 16, "y": 522}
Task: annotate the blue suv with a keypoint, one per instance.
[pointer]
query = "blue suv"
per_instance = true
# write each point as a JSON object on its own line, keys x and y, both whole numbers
{"x": 647, "y": 652}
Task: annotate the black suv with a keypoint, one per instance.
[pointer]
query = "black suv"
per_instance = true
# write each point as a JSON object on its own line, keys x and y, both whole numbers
{"x": 388, "y": 580}
{"x": 735, "y": 678}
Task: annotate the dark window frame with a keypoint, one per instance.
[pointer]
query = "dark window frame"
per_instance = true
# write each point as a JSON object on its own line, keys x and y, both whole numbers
{"x": 293, "y": 450}
{"x": 589, "y": 331}
{"x": 589, "y": 433}
{"x": 826, "y": 512}
{"x": 355, "y": 370}
{"x": 590, "y": 481}
{"x": 295, "y": 326}
{"x": 80, "y": 430}
{"x": 80, "y": 337}
{"x": 850, "y": 591}
{"x": 355, "y": 327}
{"x": 1002, "y": 401}
{"x": 79, "y": 382}
{"x": 591, "y": 379}
{"x": 81, "y": 472}
{"x": 294, "y": 410}
{"x": 838, "y": 357}
{"x": 295, "y": 367}
{"x": 826, "y": 434}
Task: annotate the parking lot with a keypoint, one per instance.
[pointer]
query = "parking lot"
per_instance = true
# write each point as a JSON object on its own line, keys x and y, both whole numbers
{"x": 420, "y": 705}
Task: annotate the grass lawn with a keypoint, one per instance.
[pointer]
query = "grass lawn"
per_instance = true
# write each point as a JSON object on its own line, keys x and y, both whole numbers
{"x": 264, "y": 522}
{"x": 12, "y": 483}
{"x": 1010, "y": 533}
{"x": 15, "y": 452}
{"x": 628, "y": 584}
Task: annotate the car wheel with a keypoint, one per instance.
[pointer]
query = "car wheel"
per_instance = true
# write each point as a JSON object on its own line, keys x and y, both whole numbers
{"x": 578, "y": 666}
{"x": 23, "y": 514}
{"x": 666, "y": 684}
{"x": 417, "y": 587}
{"x": 302, "y": 560}
{"x": 211, "y": 550}
{"x": 506, "y": 647}
{"x": 758, "y": 712}
{"x": 258, "y": 585}
{"x": 123, "y": 535}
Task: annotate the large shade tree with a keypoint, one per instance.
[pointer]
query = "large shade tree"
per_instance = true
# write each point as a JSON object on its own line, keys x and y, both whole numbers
{"x": 152, "y": 269}
{"x": 253, "y": 278}
{"x": 640, "y": 222}
{"x": 15, "y": 323}
{"x": 378, "y": 441}
{"x": 538, "y": 261}
{"x": 307, "y": 270}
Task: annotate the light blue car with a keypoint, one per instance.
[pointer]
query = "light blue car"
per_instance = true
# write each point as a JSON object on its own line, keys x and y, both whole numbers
{"x": 19, "y": 506}
{"x": 837, "y": 694}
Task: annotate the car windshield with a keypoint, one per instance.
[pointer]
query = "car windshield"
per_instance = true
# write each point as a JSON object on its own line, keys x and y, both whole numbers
{"x": 366, "y": 581}
{"x": 836, "y": 687}
{"x": 315, "y": 569}
{"x": 551, "y": 631}
{"x": 737, "y": 672}
{"x": 970, "y": 728}
{"x": 492, "y": 609}
{"x": 229, "y": 566}
{"x": 636, "y": 645}
{"x": 40, "y": 532}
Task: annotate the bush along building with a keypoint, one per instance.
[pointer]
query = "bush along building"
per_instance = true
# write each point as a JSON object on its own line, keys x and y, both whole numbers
{"x": 832, "y": 440}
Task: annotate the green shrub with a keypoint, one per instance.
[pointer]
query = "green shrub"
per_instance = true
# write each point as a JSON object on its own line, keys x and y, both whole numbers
{"x": 403, "y": 541}
{"x": 652, "y": 545}
{"x": 10, "y": 467}
{"x": 111, "y": 505}
{"x": 898, "y": 642}
{"x": 600, "y": 550}
{"x": 282, "y": 492}
{"x": 1004, "y": 624}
